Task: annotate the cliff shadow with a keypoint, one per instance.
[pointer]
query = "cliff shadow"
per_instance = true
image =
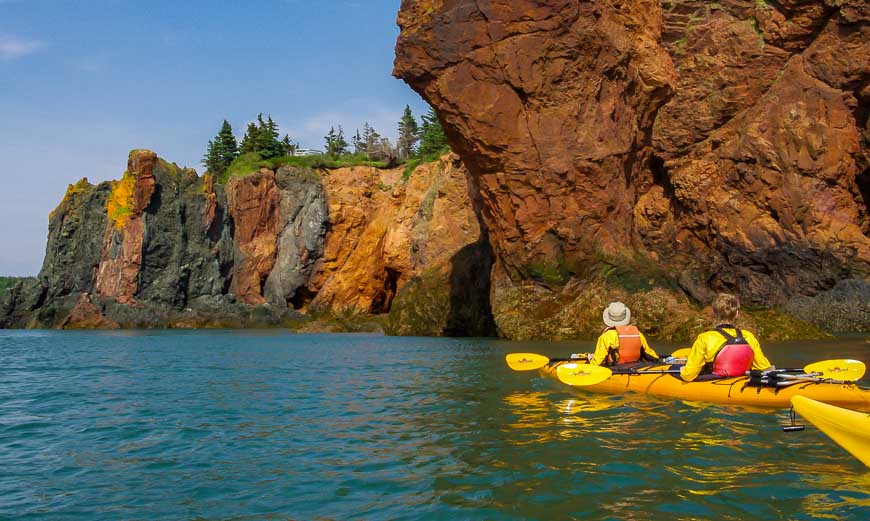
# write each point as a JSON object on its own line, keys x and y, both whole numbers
{"x": 470, "y": 280}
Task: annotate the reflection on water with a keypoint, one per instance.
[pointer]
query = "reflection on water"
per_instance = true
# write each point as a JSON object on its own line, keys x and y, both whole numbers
{"x": 266, "y": 425}
{"x": 845, "y": 492}
{"x": 538, "y": 416}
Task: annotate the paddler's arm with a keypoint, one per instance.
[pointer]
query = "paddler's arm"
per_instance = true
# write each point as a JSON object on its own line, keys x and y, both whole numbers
{"x": 695, "y": 361}
{"x": 650, "y": 352}
{"x": 602, "y": 347}
{"x": 759, "y": 361}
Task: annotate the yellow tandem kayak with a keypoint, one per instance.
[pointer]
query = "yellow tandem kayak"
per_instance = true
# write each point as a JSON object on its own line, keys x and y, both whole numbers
{"x": 850, "y": 429}
{"x": 735, "y": 391}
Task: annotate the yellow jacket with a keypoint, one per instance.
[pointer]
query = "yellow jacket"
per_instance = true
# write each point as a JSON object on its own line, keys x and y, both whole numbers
{"x": 610, "y": 340}
{"x": 706, "y": 347}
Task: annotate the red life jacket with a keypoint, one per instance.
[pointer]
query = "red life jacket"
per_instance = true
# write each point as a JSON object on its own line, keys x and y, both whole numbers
{"x": 735, "y": 356}
{"x": 630, "y": 348}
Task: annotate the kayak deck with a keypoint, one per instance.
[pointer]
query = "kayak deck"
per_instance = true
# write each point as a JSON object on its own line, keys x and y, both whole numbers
{"x": 725, "y": 390}
{"x": 850, "y": 429}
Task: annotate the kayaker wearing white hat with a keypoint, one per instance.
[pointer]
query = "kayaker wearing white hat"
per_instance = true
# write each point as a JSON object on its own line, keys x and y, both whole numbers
{"x": 621, "y": 343}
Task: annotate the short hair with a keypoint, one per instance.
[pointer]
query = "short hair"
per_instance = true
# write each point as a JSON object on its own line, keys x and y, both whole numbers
{"x": 725, "y": 306}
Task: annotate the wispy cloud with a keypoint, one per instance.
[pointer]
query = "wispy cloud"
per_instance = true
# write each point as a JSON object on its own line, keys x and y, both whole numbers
{"x": 12, "y": 47}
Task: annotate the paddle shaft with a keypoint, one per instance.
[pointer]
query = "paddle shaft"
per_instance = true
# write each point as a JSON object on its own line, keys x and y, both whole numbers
{"x": 655, "y": 371}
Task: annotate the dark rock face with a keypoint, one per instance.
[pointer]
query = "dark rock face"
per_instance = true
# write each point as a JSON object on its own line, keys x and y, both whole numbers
{"x": 725, "y": 144}
{"x": 72, "y": 256}
{"x": 183, "y": 257}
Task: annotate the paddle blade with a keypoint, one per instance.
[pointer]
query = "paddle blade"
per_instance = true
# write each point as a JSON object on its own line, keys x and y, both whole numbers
{"x": 850, "y": 370}
{"x": 526, "y": 361}
{"x": 681, "y": 353}
{"x": 582, "y": 374}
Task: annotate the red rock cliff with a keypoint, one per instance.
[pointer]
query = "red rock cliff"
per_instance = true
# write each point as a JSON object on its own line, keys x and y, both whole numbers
{"x": 118, "y": 272}
{"x": 253, "y": 202}
{"x": 721, "y": 143}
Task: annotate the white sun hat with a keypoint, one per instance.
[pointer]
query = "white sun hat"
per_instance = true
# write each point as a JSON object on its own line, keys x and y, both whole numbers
{"x": 617, "y": 314}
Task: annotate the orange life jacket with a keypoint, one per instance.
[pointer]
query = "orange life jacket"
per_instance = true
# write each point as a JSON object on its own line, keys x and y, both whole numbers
{"x": 735, "y": 356}
{"x": 630, "y": 348}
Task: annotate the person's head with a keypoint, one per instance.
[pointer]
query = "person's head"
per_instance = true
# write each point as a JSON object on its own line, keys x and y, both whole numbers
{"x": 617, "y": 314}
{"x": 725, "y": 307}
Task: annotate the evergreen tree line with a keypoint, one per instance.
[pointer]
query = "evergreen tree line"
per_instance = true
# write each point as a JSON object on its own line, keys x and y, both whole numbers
{"x": 262, "y": 137}
{"x": 414, "y": 141}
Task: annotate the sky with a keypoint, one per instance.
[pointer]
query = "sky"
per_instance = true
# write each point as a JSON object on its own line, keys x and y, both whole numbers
{"x": 82, "y": 82}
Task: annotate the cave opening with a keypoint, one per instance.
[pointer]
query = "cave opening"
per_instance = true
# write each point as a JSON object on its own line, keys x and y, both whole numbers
{"x": 384, "y": 299}
{"x": 301, "y": 298}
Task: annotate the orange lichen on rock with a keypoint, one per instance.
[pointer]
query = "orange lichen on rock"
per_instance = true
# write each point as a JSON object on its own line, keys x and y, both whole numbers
{"x": 120, "y": 203}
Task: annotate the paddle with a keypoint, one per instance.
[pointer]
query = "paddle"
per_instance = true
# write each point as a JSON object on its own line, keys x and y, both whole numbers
{"x": 582, "y": 374}
{"x": 589, "y": 376}
{"x": 530, "y": 361}
{"x": 838, "y": 369}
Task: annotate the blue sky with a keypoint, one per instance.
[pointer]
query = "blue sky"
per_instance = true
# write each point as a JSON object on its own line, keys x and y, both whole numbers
{"x": 84, "y": 81}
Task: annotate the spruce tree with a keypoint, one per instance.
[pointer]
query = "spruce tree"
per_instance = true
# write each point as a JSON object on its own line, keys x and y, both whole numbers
{"x": 265, "y": 137}
{"x": 409, "y": 134}
{"x": 357, "y": 143}
{"x": 272, "y": 145}
{"x": 340, "y": 142}
{"x": 211, "y": 160}
{"x": 228, "y": 148}
{"x": 249, "y": 142}
{"x": 370, "y": 138}
{"x": 432, "y": 139}
{"x": 221, "y": 151}
{"x": 330, "y": 138}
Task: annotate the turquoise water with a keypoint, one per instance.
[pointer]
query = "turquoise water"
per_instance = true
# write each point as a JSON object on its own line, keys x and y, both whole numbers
{"x": 270, "y": 425}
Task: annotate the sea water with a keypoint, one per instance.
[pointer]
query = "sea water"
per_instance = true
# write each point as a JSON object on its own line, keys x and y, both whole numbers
{"x": 272, "y": 425}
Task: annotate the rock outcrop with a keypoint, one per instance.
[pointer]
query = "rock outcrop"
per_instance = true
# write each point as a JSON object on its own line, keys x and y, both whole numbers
{"x": 393, "y": 235}
{"x": 163, "y": 247}
{"x": 684, "y": 145}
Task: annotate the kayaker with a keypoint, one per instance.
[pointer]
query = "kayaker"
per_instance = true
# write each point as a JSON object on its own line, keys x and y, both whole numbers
{"x": 726, "y": 350}
{"x": 620, "y": 343}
